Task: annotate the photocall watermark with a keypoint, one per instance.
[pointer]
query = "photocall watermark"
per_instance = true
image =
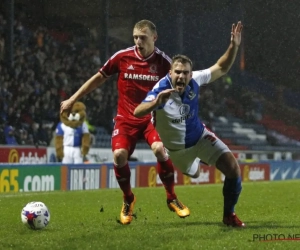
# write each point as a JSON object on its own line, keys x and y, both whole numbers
{"x": 275, "y": 237}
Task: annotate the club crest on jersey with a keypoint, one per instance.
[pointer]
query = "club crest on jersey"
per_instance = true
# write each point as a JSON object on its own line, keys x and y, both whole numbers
{"x": 150, "y": 98}
{"x": 115, "y": 132}
{"x": 153, "y": 69}
{"x": 184, "y": 109}
{"x": 191, "y": 95}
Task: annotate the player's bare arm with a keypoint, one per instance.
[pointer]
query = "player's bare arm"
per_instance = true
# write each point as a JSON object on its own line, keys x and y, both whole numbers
{"x": 225, "y": 62}
{"x": 94, "y": 82}
{"x": 147, "y": 107}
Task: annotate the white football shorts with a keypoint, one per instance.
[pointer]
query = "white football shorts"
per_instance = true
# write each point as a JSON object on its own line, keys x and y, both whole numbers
{"x": 209, "y": 148}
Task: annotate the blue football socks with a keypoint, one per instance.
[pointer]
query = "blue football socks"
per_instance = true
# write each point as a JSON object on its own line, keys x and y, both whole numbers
{"x": 231, "y": 192}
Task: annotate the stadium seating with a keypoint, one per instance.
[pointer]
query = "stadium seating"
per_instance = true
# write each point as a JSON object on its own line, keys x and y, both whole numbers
{"x": 236, "y": 133}
{"x": 280, "y": 126}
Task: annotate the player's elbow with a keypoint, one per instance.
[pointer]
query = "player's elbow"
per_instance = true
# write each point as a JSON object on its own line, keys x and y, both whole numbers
{"x": 224, "y": 70}
{"x": 143, "y": 109}
{"x": 137, "y": 112}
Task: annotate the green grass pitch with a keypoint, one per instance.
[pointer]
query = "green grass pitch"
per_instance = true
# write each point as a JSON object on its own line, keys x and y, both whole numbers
{"x": 267, "y": 208}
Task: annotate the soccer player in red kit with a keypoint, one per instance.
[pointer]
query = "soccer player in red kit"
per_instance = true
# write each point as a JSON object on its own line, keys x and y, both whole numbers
{"x": 138, "y": 68}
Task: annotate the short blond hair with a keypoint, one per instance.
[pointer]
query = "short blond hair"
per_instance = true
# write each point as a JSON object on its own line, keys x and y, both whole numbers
{"x": 146, "y": 23}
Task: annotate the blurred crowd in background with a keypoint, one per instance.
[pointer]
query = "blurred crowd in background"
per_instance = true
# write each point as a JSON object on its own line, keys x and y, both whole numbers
{"x": 47, "y": 70}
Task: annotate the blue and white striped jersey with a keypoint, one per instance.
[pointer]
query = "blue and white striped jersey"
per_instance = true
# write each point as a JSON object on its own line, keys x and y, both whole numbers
{"x": 72, "y": 136}
{"x": 177, "y": 121}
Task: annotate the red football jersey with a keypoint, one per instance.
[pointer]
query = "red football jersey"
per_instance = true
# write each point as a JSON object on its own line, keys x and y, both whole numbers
{"x": 136, "y": 76}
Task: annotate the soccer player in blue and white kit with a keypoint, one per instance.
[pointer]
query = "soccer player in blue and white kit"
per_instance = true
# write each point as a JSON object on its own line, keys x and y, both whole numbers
{"x": 174, "y": 105}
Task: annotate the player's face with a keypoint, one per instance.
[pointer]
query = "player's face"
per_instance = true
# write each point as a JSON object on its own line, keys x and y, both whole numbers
{"x": 144, "y": 39}
{"x": 180, "y": 74}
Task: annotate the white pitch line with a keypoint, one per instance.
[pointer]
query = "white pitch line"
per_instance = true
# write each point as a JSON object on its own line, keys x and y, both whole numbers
{"x": 26, "y": 194}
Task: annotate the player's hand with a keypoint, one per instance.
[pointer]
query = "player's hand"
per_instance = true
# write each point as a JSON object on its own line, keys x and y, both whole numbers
{"x": 66, "y": 105}
{"x": 236, "y": 33}
{"x": 164, "y": 96}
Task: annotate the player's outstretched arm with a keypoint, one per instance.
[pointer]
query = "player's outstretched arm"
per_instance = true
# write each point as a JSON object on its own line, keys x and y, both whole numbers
{"x": 95, "y": 81}
{"x": 225, "y": 62}
{"x": 147, "y": 107}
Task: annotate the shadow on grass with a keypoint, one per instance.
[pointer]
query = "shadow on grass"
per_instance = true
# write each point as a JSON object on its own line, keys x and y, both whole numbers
{"x": 169, "y": 224}
{"x": 269, "y": 225}
{"x": 250, "y": 225}
{"x": 195, "y": 223}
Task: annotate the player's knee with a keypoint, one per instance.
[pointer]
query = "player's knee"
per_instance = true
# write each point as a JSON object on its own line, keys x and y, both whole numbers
{"x": 158, "y": 149}
{"x": 120, "y": 157}
{"x": 228, "y": 165}
{"x": 231, "y": 170}
{"x": 234, "y": 170}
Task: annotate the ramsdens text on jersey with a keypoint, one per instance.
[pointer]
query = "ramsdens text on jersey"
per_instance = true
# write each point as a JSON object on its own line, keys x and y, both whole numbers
{"x": 141, "y": 77}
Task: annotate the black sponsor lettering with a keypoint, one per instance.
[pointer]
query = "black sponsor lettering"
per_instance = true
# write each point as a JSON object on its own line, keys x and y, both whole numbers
{"x": 182, "y": 118}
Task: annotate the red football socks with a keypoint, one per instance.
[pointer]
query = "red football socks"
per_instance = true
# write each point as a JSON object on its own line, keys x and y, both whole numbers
{"x": 166, "y": 174}
{"x": 123, "y": 178}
